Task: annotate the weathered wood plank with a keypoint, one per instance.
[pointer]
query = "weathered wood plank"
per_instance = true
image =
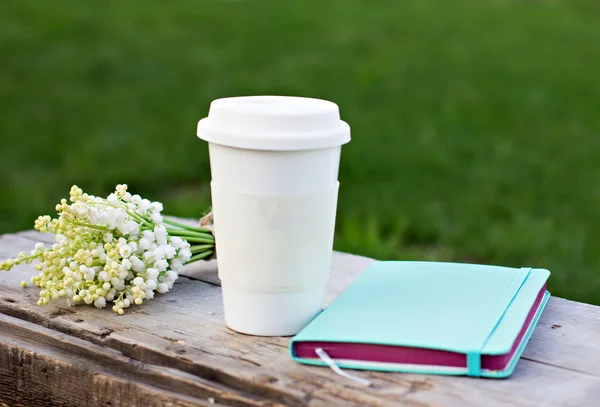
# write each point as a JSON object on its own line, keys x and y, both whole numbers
{"x": 40, "y": 366}
{"x": 184, "y": 332}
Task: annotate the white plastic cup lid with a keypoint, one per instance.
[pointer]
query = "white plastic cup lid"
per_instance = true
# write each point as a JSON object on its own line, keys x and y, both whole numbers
{"x": 274, "y": 123}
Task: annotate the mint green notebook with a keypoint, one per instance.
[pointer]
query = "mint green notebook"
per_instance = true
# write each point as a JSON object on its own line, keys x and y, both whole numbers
{"x": 429, "y": 317}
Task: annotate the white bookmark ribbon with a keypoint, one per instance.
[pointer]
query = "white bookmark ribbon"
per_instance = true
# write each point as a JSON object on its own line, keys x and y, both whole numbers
{"x": 331, "y": 363}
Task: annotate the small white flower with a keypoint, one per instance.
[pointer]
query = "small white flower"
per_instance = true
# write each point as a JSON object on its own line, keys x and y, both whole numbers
{"x": 176, "y": 265}
{"x": 156, "y": 218}
{"x": 161, "y": 265}
{"x": 162, "y": 288}
{"x": 169, "y": 251}
{"x": 126, "y": 264}
{"x": 111, "y": 223}
{"x": 144, "y": 206}
{"x": 149, "y": 294}
{"x": 185, "y": 254}
{"x": 127, "y": 197}
{"x": 119, "y": 215}
{"x": 136, "y": 199}
{"x": 151, "y": 284}
{"x": 111, "y": 295}
{"x": 125, "y": 251}
{"x": 129, "y": 228}
{"x": 137, "y": 264}
{"x": 138, "y": 281}
{"x": 118, "y": 284}
{"x": 101, "y": 217}
{"x": 108, "y": 237}
{"x": 40, "y": 246}
{"x": 177, "y": 242}
{"x": 171, "y": 275}
{"x": 100, "y": 302}
{"x": 123, "y": 228}
{"x": 152, "y": 273}
{"x": 149, "y": 236}
{"x": 161, "y": 234}
{"x": 158, "y": 253}
{"x": 144, "y": 244}
{"x": 103, "y": 276}
{"x": 112, "y": 199}
{"x": 156, "y": 207}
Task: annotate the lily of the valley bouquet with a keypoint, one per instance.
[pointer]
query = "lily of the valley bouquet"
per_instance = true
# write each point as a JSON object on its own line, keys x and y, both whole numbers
{"x": 117, "y": 250}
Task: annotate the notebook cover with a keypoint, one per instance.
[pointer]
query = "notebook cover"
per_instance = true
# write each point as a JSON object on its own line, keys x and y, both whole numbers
{"x": 462, "y": 311}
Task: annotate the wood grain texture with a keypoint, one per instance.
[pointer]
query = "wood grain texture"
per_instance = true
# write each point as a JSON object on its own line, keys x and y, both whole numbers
{"x": 176, "y": 349}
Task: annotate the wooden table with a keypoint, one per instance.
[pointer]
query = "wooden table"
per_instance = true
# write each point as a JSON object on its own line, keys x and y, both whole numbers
{"x": 176, "y": 351}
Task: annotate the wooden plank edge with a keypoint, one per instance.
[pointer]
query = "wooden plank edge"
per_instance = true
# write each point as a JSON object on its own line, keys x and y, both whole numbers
{"x": 40, "y": 366}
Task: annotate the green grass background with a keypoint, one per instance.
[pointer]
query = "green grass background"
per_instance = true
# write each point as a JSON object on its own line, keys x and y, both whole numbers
{"x": 475, "y": 124}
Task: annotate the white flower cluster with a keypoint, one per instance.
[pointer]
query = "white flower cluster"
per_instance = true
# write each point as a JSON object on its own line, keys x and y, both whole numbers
{"x": 118, "y": 249}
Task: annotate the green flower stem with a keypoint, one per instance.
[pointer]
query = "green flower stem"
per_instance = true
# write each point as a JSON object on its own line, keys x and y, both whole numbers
{"x": 86, "y": 225}
{"x": 144, "y": 225}
{"x": 201, "y": 248}
{"x": 25, "y": 259}
{"x": 198, "y": 240}
{"x": 184, "y": 233}
{"x": 201, "y": 256}
{"x": 123, "y": 294}
{"x": 187, "y": 227}
{"x": 141, "y": 219}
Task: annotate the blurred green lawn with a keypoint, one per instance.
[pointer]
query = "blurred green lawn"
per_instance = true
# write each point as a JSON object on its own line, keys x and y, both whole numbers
{"x": 475, "y": 124}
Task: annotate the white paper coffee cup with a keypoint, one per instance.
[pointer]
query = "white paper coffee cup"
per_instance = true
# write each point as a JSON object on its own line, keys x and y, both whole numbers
{"x": 274, "y": 165}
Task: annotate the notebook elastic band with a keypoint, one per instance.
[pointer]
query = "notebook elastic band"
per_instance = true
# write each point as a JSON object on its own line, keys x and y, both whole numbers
{"x": 474, "y": 358}
{"x": 474, "y": 364}
{"x": 330, "y": 362}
